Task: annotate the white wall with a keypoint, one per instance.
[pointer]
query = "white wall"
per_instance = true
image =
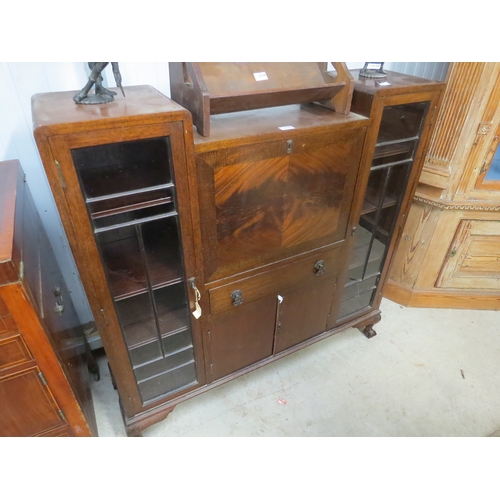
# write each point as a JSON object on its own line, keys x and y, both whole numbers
{"x": 19, "y": 81}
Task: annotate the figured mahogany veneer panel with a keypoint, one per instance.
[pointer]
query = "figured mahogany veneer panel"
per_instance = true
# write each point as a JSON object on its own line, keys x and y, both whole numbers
{"x": 268, "y": 205}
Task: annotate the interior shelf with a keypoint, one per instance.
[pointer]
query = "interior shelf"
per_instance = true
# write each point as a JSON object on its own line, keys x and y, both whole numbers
{"x": 142, "y": 332}
{"x": 361, "y": 245}
{"x": 164, "y": 365}
{"x": 130, "y": 200}
{"x": 370, "y": 202}
{"x": 126, "y": 269}
{"x": 166, "y": 383}
{"x": 132, "y": 218}
{"x": 360, "y": 255}
{"x": 113, "y": 169}
{"x": 148, "y": 352}
{"x": 393, "y": 147}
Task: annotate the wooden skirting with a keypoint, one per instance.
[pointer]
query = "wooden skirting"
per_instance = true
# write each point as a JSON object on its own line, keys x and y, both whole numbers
{"x": 435, "y": 298}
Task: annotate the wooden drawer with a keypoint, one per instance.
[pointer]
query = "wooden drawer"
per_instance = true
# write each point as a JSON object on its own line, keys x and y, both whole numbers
{"x": 277, "y": 281}
{"x": 13, "y": 351}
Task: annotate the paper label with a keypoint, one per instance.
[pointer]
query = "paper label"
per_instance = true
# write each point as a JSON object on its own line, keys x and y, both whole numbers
{"x": 382, "y": 84}
{"x": 197, "y": 311}
{"x": 260, "y": 76}
{"x": 287, "y": 127}
{"x": 374, "y": 66}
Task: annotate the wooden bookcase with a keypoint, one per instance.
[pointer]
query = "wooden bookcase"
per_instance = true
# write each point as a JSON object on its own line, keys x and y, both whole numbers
{"x": 253, "y": 220}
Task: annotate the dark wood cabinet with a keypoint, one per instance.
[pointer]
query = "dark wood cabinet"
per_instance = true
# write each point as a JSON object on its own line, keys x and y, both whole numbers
{"x": 206, "y": 254}
{"x": 44, "y": 379}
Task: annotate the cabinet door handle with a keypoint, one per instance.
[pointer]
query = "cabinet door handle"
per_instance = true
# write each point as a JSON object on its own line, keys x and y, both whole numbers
{"x": 237, "y": 298}
{"x": 197, "y": 309}
{"x": 319, "y": 267}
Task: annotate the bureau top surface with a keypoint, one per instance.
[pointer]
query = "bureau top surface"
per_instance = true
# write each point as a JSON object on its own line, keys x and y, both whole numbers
{"x": 275, "y": 123}
{"x": 58, "y": 113}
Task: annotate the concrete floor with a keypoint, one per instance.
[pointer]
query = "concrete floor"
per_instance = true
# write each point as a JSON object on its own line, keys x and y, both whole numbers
{"x": 428, "y": 372}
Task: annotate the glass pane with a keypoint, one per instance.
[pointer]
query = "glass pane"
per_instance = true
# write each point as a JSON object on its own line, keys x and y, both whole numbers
{"x": 402, "y": 122}
{"x": 356, "y": 303}
{"x": 172, "y": 308}
{"x": 168, "y": 382}
{"x": 164, "y": 365}
{"x": 128, "y": 266}
{"x": 393, "y": 157}
{"x": 137, "y": 319}
{"x": 150, "y": 351}
{"x": 131, "y": 201}
{"x": 362, "y": 239}
{"x": 122, "y": 261}
{"x": 493, "y": 173}
{"x": 126, "y": 166}
{"x": 163, "y": 251}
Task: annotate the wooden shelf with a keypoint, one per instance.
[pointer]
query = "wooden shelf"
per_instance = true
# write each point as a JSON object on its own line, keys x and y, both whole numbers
{"x": 131, "y": 208}
{"x": 126, "y": 272}
{"x": 370, "y": 202}
{"x": 145, "y": 353}
{"x": 211, "y": 88}
{"x": 164, "y": 365}
{"x": 385, "y": 149}
{"x": 360, "y": 255}
{"x": 101, "y": 204}
{"x": 144, "y": 331}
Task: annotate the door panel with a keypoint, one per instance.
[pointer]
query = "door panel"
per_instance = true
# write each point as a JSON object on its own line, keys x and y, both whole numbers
{"x": 241, "y": 336}
{"x": 27, "y": 406}
{"x": 128, "y": 195}
{"x": 263, "y": 209}
{"x": 303, "y": 313}
{"x": 473, "y": 260}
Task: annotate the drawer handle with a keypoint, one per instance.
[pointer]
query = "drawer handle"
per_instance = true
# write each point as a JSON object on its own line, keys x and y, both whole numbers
{"x": 237, "y": 298}
{"x": 319, "y": 267}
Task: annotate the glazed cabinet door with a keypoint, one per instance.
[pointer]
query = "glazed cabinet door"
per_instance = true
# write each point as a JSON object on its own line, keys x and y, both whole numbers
{"x": 397, "y": 147}
{"x": 129, "y": 201}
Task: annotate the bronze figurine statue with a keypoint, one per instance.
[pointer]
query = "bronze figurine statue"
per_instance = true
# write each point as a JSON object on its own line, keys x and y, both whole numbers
{"x": 101, "y": 95}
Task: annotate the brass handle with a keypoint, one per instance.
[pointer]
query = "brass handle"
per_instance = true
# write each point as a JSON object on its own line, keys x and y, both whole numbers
{"x": 237, "y": 298}
{"x": 319, "y": 267}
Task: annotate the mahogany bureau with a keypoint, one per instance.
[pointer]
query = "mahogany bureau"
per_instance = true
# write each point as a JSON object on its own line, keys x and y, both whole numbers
{"x": 207, "y": 254}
